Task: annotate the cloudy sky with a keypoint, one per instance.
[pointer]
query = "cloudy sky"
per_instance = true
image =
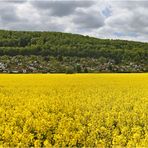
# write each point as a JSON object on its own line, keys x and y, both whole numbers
{"x": 123, "y": 19}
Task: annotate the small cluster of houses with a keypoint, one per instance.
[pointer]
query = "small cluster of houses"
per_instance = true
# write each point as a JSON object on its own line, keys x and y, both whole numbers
{"x": 19, "y": 68}
{"x": 131, "y": 67}
{"x": 39, "y": 65}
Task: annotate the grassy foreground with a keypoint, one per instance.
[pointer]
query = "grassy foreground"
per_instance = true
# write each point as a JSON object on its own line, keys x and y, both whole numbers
{"x": 90, "y": 110}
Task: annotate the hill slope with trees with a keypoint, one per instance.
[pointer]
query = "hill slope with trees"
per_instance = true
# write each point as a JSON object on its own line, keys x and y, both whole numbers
{"x": 55, "y": 52}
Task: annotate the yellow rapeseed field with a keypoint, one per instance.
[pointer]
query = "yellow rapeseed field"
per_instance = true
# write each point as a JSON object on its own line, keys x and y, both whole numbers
{"x": 82, "y": 110}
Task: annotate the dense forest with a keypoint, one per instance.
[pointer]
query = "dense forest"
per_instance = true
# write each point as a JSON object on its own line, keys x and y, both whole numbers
{"x": 55, "y": 52}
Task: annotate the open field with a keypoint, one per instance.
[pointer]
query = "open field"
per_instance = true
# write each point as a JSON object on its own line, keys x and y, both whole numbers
{"x": 90, "y": 110}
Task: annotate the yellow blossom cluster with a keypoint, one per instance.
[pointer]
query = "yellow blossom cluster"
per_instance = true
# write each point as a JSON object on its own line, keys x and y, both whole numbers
{"x": 79, "y": 110}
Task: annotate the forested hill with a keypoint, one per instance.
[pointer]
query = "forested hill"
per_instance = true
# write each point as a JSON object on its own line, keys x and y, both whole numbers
{"x": 54, "y": 43}
{"x": 87, "y": 52}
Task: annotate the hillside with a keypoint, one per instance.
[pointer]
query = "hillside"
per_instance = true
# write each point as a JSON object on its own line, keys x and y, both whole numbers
{"x": 63, "y": 52}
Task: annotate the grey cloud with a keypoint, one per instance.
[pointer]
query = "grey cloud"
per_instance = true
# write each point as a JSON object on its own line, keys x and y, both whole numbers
{"x": 14, "y": 1}
{"x": 36, "y": 27}
{"x": 87, "y": 20}
{"x": 130, "y": 4}
{"x": 8, "y": 14}
{"x": 61, "y": 8}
